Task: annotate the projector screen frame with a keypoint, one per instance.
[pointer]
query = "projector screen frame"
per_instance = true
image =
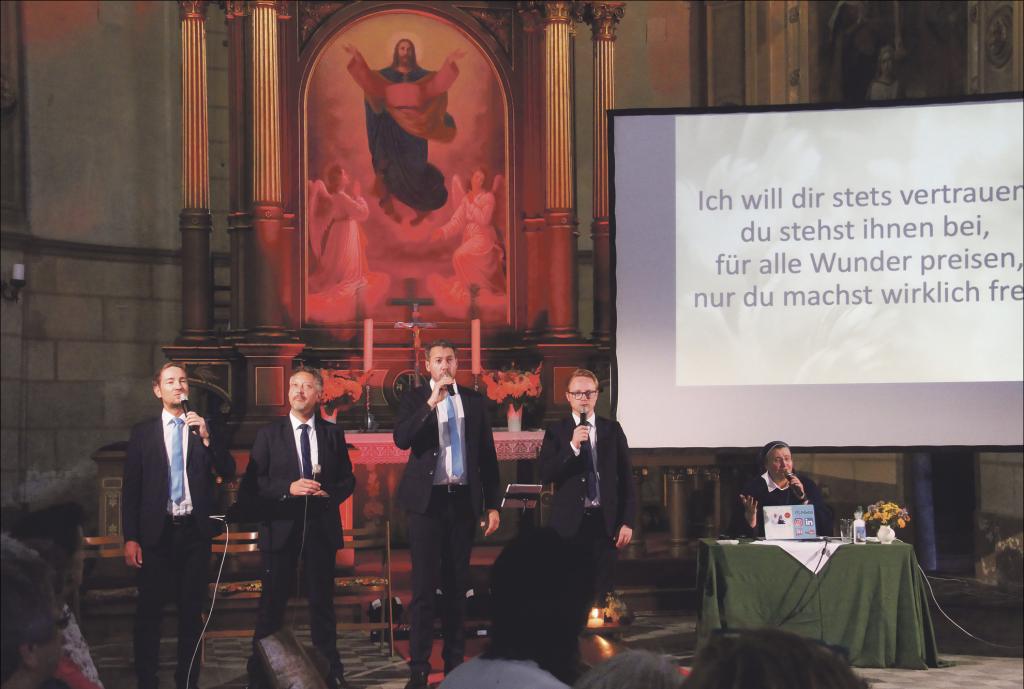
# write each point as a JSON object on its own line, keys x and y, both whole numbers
{"x": 614, "y": 114}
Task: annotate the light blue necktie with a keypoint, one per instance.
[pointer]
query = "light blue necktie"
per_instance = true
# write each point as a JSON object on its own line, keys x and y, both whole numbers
{"x": 456, "y": 441}
{"x": 177, "y": 464}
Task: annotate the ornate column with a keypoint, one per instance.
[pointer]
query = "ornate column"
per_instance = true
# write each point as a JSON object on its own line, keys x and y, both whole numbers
{"x": 560, "y": 212}
{"x": 636, "y": 546}
{"x": 268, "y": 350}
{"x": 194, "y": 221}
{"x": 268, "y": 266}
{"x": 715, "y": 476}
{"x": 677, "y": 521}
{"x": 603, "y": 18}
{"x": 532, "y": 152}
{"x": 709, "y": 523}
{"x": 239, "y": 219}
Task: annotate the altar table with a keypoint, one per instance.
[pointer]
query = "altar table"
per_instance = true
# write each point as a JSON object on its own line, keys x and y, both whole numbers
{"x": 380, "y": 448}
{"x": 869, "y": 599}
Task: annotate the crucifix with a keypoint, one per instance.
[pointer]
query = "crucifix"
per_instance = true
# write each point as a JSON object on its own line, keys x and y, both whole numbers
{"x": 415, "y": 324}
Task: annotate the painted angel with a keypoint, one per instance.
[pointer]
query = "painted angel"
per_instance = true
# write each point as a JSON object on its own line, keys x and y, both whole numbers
{"x": 337, "y": 244}
{"x": 479, "y": 258}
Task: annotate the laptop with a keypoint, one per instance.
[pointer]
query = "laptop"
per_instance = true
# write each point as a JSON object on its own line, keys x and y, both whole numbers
{"x": 790, "y": 523}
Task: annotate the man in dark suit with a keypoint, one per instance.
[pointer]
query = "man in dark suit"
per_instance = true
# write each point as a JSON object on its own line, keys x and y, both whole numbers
{"x": 167, "y": 498}
{"x": 299, "y": 473}
{"x": 450, "y": 482}
{"x": 587, "y": 458}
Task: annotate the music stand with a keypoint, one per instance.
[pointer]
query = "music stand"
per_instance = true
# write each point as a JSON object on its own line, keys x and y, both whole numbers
{"x": 522, "y": 495}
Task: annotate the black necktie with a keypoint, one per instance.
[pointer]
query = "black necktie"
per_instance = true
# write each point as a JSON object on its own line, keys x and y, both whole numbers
{"x": 588, "y": 462}
{"x": 307, "y": 453}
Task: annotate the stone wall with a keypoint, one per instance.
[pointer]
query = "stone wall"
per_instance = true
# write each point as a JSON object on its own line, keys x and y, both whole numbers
{"x": 100, "y": 238}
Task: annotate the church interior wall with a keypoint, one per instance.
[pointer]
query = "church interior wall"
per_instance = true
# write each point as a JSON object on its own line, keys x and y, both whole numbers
{"x": 100, "y": 239}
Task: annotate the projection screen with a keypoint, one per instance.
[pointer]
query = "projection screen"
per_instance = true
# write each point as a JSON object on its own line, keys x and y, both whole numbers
{"x": 834, "y": 277}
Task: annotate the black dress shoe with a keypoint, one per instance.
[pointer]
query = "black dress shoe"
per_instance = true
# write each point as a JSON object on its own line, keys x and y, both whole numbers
{"x": 418, "y": 680}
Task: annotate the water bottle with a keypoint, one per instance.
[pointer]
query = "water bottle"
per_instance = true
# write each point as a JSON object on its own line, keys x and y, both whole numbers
{"x": 860, "y": 532}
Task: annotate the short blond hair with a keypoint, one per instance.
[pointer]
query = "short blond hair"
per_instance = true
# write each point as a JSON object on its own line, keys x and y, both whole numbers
{"x": 583, "y": 373}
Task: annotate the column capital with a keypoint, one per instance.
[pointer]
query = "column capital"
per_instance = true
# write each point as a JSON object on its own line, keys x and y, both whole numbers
{"x": 558, "y": 12}
{"x": 234, "y": 9}
{"x": 279, "y": 6}
{"x": 532, "y": 16}
{"x": 192, "y": 9}
{"x": 603, "y": 18}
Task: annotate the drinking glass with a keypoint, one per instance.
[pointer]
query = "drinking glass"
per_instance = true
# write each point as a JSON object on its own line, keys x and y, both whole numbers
{"x": 846, "y": 530}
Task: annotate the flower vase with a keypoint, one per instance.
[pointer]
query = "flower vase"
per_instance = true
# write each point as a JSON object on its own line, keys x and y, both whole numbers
{"x": 886, "y": 534}
{"x": 515, "y": 418}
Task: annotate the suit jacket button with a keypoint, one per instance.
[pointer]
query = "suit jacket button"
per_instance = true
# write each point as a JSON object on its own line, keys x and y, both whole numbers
{"x": 431, "y": 472}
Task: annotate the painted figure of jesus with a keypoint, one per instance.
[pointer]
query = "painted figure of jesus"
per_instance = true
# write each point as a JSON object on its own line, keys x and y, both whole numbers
{"x": 406, "y": 106}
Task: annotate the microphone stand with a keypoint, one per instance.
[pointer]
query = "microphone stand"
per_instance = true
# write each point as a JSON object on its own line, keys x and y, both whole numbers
{"x": 369, "y": 421}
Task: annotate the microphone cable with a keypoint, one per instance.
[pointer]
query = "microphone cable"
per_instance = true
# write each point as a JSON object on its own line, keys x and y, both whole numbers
{"x": 299, "y": 564}
{"x": 800, "y": 599}
{"x": 220, "y": 570}
{"x": 954, "y": 622}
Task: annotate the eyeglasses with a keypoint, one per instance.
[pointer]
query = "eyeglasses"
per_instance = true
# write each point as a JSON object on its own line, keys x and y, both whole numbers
{"x": 583, "y": 394}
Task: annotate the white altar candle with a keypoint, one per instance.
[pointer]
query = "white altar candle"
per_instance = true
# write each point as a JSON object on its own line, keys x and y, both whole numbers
{"x": 474, "y": 330}
{"x": 367, "y": 344}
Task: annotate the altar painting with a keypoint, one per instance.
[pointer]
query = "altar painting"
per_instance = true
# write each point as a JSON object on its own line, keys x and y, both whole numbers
{"x": 405, "y": 174}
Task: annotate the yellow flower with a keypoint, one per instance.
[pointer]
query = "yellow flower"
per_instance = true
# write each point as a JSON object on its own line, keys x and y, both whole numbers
{"x": 885, "y": 512}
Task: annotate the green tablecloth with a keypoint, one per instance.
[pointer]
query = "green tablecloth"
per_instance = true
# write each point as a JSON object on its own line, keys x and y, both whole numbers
{"x": 869, "y": 599}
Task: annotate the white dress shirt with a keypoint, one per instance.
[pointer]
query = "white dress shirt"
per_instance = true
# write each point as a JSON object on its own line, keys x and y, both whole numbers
{"x": 314, "y": 455}
{"x": 443, "y": 471}
{"x": 772, "y": 485}
{"x": 185, "y": 506}
{"x": 593, "y": 456}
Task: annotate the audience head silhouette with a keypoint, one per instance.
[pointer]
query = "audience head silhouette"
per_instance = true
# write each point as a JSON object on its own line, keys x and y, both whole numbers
{"x": 770, "y": 659}
{"x": 31, "y": 640}
{"x": 541, "y": 589}
{"x": 633, "y": 670}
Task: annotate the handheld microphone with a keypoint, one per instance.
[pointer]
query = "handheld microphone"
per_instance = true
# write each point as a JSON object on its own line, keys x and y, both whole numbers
{"x": 796, "y": 491}
{"x": 583, "y": 422}
{"x": 450, "y": 389}
{"x": 186, "y": 407}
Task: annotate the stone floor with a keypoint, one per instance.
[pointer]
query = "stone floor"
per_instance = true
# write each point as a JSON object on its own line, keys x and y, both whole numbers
{"x": 369, "y": 667}
{"x": 993, "y": 614}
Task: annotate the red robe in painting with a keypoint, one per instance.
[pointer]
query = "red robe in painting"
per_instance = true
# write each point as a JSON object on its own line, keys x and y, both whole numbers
{"x": 403, "y": 111}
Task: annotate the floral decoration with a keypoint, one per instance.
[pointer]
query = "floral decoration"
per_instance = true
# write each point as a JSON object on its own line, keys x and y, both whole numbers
{"x": 341, "y": 390}
{"x": 885, "y": 512}
{"x": 513, "y": 386}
